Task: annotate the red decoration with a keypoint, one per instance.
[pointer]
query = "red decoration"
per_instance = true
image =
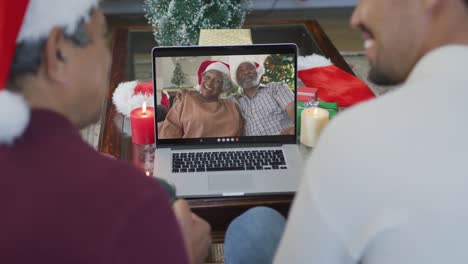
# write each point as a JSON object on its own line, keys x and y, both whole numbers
{"x": 336, "y": 85}
{"x": 142, "y": 122}
{"x": 145, "y": 88}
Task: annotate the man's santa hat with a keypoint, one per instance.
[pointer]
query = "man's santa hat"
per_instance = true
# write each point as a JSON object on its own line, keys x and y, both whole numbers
{"x": 214, "y": 65}
{"x": 130, "y": 95}
{"x": 22, "y": 21}
{"x": 236, "y": 62}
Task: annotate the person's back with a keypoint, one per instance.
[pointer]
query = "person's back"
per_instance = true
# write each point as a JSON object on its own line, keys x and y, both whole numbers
{"x": 62, "y": 202}
{"x": 395, "y": 192}
{"x": 387, "y": 181}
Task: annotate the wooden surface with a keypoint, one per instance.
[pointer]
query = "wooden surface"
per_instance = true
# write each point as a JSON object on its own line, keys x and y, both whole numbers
{"x": 218, "y": 211}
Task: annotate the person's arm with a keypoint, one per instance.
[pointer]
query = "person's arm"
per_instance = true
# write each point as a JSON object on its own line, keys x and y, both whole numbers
{"x": 195, "y": 230}
{"x": 147, "y": 233}
{"x": 172, "y": 126}
{"x": 290, "y": 111}
{"x": 241, "y": 120}
{"x": 285, "y": 99}
{"x": 307, "y": 237}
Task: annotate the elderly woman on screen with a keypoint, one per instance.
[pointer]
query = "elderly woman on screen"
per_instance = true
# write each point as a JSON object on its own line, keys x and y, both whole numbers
{"x": 201, "y": 113}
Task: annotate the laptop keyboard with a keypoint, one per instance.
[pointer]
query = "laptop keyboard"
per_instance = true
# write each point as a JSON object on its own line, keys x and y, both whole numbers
{"x": 228, "y": 161}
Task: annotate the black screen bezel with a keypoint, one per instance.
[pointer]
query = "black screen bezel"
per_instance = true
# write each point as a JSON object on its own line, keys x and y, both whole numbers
{"x": 258, "y": 49}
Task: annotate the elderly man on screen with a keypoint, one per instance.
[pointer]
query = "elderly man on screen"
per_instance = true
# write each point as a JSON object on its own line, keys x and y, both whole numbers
{"x": 268, "y": 109}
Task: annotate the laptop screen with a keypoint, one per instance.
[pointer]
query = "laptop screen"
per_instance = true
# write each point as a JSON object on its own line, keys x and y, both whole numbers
{"x": 225, "y": 95}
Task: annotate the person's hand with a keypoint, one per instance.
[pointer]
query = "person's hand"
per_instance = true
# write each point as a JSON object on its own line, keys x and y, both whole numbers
{"x": 288, "y": 131}
{"x": 195, "y": 230}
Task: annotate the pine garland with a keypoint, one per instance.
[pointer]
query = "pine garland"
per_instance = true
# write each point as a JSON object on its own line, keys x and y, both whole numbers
{"x": 178, "y": 22}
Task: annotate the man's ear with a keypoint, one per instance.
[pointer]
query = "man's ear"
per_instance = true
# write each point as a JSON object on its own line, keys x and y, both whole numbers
{"x": 55, "y": 62}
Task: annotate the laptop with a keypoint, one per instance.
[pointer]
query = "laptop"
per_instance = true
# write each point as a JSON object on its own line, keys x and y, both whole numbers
{"x": 205, "y": 157}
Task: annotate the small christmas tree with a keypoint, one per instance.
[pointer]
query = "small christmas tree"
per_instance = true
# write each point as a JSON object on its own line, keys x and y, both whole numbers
{"x": 178, "y": 77}
{"x": 279, "y": 68}
{"x": 178, "y": 22}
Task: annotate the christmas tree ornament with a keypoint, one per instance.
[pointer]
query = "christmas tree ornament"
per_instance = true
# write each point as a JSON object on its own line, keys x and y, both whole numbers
{"x": 22, "y": 21}
{"x": 178, "y": 22}
{"x": 333, "y": 84}
{"x": 131, "y": 95}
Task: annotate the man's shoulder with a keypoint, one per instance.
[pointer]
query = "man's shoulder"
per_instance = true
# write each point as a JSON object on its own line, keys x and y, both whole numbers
{"x": 236, "y": 97}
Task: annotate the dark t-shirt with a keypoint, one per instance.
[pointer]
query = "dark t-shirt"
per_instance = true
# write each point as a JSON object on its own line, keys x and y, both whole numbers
{"x": 63, "y": 202}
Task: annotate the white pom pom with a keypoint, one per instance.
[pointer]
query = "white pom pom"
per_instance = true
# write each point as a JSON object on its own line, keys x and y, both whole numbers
{"x": 14, "y": 117}
{"x": 122, "y": 95}
{"x": 312, "y": 61}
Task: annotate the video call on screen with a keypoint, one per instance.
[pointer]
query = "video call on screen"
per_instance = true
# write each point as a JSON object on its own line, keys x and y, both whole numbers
{"x": 225, "y": 97}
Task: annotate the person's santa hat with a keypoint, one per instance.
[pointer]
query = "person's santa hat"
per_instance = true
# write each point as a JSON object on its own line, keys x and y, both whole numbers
{"x": 236, "y": 62}
{"x": 214, "y": 65}
{"x": 332, "y": 83}
{"x": 130, "y": 95}
{"x": 22, "y": 21}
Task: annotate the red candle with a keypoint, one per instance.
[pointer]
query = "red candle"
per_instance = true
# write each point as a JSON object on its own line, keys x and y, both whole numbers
{"x": 142, "y": 122}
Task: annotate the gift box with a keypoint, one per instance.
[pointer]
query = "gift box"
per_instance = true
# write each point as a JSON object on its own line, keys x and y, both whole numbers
{"x": 306, "y": 94}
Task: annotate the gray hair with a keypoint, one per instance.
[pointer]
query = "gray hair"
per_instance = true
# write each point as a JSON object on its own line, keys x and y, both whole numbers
{"x": 28, "y": 54}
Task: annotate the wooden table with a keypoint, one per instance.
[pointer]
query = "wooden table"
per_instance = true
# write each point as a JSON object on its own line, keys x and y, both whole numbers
{"x": 127, "y": 40}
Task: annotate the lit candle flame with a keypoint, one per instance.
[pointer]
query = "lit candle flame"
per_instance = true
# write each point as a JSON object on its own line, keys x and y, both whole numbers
{"x": 315, "y": 112}
{"x": 144, "y": 108}
{"x": 148, "y": 173}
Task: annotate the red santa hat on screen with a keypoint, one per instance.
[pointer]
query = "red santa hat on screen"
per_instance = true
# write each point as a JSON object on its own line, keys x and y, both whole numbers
{"x": 29, "y": 20}
{"x": 212, "y": 65}
{"x": 235, "y": 62}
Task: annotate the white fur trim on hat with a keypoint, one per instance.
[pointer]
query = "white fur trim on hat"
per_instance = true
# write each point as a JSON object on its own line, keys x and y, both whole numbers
{"x": 43, "y": 15}
{"x": 235, "y": 65}
{"x": 312, "y": 61}
{"x": 14, "y": 117}
{"x": 125, "y": 100}
{"x": 219, "y": 67}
